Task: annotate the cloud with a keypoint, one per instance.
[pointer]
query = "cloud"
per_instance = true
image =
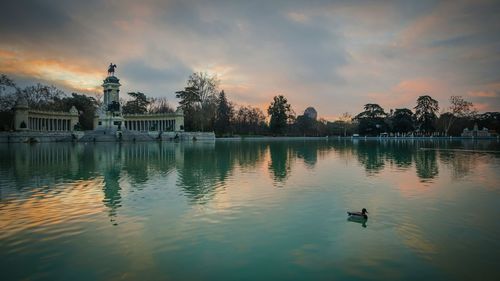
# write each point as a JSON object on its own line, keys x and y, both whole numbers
{"x": 70, "y": 76}
{"x": 330, "y": 55}
{"x": 298, "y": 17}
{"x": 484, "y": 94}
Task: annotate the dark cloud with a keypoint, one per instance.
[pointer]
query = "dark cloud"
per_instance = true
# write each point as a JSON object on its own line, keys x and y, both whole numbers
{"x": 316, "y": 51}
{"x": 138, "y": 71}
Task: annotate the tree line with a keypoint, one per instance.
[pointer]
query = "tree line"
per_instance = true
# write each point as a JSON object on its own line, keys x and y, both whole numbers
{"x": 46, "y": 98}
{"x": 50, "y": 98}
{"x": 207, "y": 108}
{"x": 425, "y": 120}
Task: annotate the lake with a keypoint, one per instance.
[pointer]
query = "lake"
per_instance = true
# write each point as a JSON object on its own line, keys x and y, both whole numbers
{"x": 251, "y": 210}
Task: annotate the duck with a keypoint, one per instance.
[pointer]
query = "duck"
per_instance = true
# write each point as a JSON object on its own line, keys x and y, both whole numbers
{"x": 358, "y": 215}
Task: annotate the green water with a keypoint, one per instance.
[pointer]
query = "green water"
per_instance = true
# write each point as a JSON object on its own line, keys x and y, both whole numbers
{"x": 261, "y": 210}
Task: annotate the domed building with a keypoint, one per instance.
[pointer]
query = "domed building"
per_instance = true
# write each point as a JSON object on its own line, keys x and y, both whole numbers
{"x": 311, "y": 113}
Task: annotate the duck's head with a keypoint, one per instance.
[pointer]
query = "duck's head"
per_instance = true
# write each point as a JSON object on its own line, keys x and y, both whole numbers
{"x": 364, "y": 211}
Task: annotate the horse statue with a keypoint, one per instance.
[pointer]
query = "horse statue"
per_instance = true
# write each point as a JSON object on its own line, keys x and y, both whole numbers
{"x": 111, "y": 69}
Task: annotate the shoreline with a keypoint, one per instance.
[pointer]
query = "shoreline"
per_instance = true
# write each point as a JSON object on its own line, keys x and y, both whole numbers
{"x": 267, "y": 138}
{"x": 78, "y": 136}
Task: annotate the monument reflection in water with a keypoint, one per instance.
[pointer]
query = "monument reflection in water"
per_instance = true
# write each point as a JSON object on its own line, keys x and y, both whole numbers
{"x": 257, "y": 209}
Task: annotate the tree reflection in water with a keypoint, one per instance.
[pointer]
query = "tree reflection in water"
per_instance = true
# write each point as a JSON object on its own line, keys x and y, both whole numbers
{"x": 426, "y": 164}
{"x": 204, "y": 168}
{"x": 279, "y": 163}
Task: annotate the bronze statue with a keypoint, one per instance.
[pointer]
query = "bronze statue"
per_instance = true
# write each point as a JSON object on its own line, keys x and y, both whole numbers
{"x": 111, "y": 69}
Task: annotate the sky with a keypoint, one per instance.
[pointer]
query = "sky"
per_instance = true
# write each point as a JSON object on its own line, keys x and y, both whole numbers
{"x": 333, "y": 55}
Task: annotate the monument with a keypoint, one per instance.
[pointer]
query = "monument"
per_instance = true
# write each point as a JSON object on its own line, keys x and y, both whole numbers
{"x": 110, "y": 113}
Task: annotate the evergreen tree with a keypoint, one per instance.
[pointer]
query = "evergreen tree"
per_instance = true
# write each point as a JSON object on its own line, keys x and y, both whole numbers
{"x": 189, "y": 103}
{"x": 425, "y": 113}
{"x": 224, "y": 115}
{"x": 139, "y": 104}
{"x": 402, "y": 120}
{"x": 280, "y": 112}
{"x": 371, "y": 121}
{"x": 85, "y": 105}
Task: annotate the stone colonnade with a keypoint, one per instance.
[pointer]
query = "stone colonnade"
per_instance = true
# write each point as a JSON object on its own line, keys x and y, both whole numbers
{"x": 46, "y": 121}
{"x": 49, "y": 124}
{"x": 164, "y": 125}
{"x": 162, "y": 122}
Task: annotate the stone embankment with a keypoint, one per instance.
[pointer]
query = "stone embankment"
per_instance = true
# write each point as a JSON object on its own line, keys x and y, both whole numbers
{"x": 103, "y": 136}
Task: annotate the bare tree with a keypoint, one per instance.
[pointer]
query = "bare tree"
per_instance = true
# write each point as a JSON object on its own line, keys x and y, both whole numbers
{"x": 159, "y": 105}
{"x": 459, "y": 108}
{"x": 8, "y": 93}
{"x": 43, "y": 97}
{"x": 206, "y": 85}
{"x": 346, "y": 119}
{"x": 98, "y": 96}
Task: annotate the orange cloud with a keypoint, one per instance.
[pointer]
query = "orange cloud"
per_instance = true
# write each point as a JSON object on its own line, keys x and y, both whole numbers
{"x": 74, "y": 76}
{"x": 482, "y": 106}
{"x": 297, "y": 17}
{"x": 406, "y": 92}
{"x": 483, "y": 94}
{"x": 446, "y": 20}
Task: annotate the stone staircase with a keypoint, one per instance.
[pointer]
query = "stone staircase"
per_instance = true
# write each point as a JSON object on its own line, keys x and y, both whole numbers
{"x": 112, "y": 135}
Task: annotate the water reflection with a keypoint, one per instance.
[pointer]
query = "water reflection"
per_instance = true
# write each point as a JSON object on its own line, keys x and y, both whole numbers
{"x": 426, "y": 164}
{"x": 152, "y": 208}
{"x": 279, "y": 164}
{"x": 204, "y": 168}
{"x": 201, "y": 171}
{"x": 372, "y": 156}
{"x": 360, "y": 221}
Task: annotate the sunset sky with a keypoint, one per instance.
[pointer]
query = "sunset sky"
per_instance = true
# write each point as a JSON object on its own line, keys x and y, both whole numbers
{"x": 333, "y": 55}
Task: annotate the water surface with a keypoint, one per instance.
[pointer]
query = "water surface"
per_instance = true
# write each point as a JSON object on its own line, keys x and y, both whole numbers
{"x": 260, "y": 210}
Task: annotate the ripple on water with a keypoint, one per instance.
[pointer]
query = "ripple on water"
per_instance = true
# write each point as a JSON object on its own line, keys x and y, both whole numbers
{"x": 50, "y": 213}
{"x": 212, "y": 211}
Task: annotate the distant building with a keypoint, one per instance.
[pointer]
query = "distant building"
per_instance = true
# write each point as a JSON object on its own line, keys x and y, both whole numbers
{"x": 475, "y": 132}
{"x": 311, "y": 113}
